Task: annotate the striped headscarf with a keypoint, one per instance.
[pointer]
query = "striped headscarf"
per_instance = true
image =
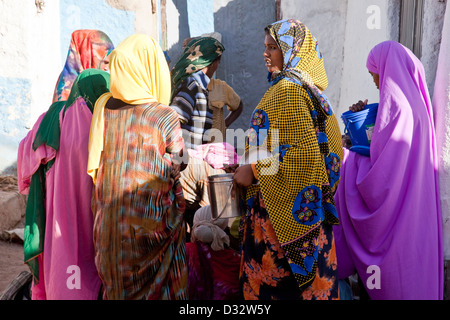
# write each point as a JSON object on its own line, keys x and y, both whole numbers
{"x": 198, "y": 54}
{"x": 88, "y": 48}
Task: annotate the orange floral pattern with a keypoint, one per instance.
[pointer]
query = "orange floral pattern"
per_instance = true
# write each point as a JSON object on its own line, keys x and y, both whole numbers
{"x": 265, "y": 271}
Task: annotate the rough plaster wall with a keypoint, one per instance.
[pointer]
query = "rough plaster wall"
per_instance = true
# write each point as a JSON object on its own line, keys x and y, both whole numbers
{"x": 200, "y": 17}
{"x": 33, "y": 48}
{"x": 242, "y": 65}
{"x": 433, "y": 21}
{"x": 177, "y": 28}
{"x": 117, "y": 23}
{"x": 326, "y": 21}
{"x": 356, "y": 83}
{"x": 145, "y": 20}
{"x": 441, "y": 105}
{"x": 179, "y": 25}
{"x": 29, "y": 53}
{"x": 345, "y": 40}
{"x": 242, "y": 23}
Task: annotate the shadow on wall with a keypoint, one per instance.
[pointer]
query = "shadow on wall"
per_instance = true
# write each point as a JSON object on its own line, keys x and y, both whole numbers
{"x": 175, "y": 51}
{"x": 241, "y": 24}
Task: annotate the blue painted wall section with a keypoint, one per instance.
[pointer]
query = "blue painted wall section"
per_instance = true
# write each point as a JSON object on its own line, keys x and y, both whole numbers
{"x": 15, "y": 102}
{"x": 200, "y": 17}
{"x": 93, "y": 14}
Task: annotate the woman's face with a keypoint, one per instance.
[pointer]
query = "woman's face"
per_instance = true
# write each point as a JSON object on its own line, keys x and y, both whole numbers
{"x": 104, "y": 64}
{"x": 376, "y": 79}
{"x": 273, "y": 54}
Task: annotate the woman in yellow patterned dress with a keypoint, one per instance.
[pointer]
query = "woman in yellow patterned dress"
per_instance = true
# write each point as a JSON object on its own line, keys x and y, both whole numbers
{"x": 288, "y": 247}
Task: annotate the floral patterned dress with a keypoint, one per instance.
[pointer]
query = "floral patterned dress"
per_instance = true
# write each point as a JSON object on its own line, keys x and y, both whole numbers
{"x": 267, "y": 274}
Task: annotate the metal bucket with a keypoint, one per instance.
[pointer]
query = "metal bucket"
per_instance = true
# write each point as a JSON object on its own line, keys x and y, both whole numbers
{"x": 223, "y": 205}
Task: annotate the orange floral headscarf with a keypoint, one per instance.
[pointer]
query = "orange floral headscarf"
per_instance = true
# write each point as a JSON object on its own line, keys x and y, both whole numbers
{"x": 88, "y": 49}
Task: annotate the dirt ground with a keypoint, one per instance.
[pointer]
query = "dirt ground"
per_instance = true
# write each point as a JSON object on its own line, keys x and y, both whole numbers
{"x": 11, "y": 262}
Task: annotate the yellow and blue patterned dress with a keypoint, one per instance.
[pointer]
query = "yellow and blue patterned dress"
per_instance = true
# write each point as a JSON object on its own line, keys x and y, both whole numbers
{"x": 288, "y": 247}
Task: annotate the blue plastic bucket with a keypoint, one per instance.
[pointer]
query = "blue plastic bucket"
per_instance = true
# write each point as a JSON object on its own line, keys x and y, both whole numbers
{"x": 359, "y": 125}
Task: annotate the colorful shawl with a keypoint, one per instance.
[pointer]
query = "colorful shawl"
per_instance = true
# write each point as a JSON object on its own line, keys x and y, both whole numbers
{"x": 389, "y": 204}
{"x": 198, "y": 54}
{"x": 39, "y": 163}
{"x": 88, "y": 48}
{"x": 139, "y": 231}
{"x": 133, "y": 83}
{"x": 295, "y": 122}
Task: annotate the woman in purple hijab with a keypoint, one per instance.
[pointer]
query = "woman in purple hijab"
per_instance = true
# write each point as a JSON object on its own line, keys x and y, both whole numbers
{"x": 389, "y": 206}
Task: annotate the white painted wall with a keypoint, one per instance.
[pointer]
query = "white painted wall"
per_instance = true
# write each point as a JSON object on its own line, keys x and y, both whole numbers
{"x": 347, "y": 31}
{"x": 433, "y": 22}
{"x": 29, "y": 66}
{"x": 369, "y": 22}
{"x": 145, "y": 20}
{"x": 327, "y": 22}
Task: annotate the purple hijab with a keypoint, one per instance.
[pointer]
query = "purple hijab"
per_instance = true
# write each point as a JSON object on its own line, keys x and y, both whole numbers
{"x": 389, "y": 204}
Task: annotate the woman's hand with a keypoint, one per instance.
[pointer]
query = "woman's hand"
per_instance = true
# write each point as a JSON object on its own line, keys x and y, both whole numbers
{"x": 230, "y": 169}
{"x": 243, "y": 176}
{"x": 358, "y": 106}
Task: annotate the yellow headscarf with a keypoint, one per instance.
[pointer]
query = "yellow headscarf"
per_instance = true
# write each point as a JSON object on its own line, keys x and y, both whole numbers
{"x": 139, "y": 75}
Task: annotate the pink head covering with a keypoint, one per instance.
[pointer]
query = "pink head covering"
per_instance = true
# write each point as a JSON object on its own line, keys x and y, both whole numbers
{"x": 389, "y": 204}
{"x": 403, "y": 91}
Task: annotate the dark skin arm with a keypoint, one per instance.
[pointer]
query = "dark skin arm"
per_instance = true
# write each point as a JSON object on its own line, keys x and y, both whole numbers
{"x": 234, "y": 115}
{"x": 243, "y": 176}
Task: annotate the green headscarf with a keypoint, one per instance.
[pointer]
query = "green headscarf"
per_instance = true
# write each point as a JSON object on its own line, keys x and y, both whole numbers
{"x": 198, "y": 54}
{"x": 89, "y": 85}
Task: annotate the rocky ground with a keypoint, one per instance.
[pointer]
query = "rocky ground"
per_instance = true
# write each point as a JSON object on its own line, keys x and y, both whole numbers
{"x": 12, "y": 215}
